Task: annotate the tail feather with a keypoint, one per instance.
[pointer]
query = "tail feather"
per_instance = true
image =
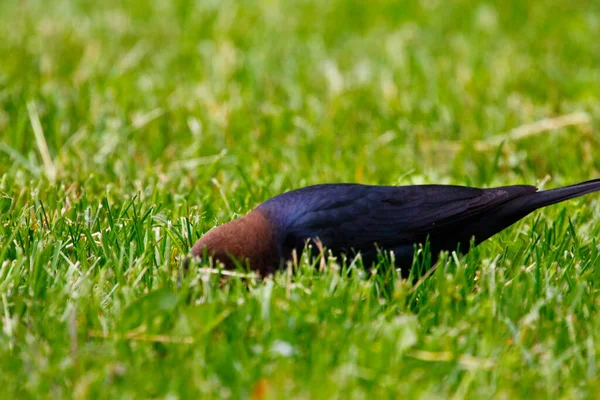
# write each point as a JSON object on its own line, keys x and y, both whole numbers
{"x": 553, "y": 196}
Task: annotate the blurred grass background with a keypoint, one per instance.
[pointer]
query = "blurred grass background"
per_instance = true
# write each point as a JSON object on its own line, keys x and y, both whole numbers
{"x": 129, "y": 128}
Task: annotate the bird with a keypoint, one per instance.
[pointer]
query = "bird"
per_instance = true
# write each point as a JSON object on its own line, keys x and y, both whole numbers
{"x": 352, "y": 219}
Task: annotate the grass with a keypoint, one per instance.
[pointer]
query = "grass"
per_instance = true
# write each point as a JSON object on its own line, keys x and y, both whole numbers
{"x": 129, "y": 128}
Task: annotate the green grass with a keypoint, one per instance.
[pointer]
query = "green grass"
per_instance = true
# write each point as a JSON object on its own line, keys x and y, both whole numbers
{"x": 129, "y": 128}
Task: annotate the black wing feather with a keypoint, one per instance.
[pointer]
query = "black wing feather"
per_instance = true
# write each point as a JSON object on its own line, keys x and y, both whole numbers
{"x": 349, "y": 216}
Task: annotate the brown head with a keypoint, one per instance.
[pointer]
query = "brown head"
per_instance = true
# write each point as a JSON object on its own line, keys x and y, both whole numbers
{"x": 251, "y": 239}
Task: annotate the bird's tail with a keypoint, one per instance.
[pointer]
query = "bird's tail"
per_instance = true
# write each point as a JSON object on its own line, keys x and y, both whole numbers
{"x": 553, "y": 196}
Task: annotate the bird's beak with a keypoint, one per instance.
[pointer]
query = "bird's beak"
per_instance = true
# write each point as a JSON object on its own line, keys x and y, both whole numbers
{"x": 196, "y": 260}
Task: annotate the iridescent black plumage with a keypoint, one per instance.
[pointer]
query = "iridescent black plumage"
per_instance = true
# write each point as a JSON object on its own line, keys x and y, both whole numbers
{"x": 351, "y": 218}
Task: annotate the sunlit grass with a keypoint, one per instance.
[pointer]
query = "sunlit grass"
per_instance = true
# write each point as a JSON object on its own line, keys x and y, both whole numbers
{"x": 128, "y": 129}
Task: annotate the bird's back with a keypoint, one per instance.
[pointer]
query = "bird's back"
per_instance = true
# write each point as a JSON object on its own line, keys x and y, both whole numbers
{"x": 357, "y": 218}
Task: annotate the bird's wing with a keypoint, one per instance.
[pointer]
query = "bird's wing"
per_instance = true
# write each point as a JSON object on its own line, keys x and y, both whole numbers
{"x": 358, "y": 216}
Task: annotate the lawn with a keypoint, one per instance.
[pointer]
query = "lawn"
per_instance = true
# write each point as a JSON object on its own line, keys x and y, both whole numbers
{"x": 130, "y": 128}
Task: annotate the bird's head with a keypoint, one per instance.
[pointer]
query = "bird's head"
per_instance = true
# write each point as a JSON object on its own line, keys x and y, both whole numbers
{"x": 250, "y": 240}
{"x": 220, "y": 244}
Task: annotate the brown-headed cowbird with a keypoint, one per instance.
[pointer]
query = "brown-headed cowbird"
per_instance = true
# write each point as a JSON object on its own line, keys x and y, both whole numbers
{"x": 353, "y": 218}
